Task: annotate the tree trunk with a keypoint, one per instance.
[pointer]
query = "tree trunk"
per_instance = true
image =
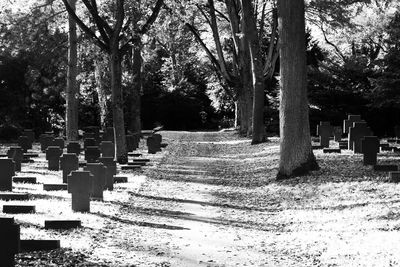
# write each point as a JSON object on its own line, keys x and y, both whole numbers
{"x": 72, "y": 92}
{"x": 102, "y": 78}
{"x": 250, "y": 31}
{"x": 296, "y": 156}
{"x": 117, "y": 104}
{"x": 135, "y": 125}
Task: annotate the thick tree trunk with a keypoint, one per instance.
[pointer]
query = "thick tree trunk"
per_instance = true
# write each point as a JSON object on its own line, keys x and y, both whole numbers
{"x": 101, "y": 74}
{"x": 250, "y": 31}
{"x": 296, "y": 156}
{"x": 72, "y": 92}
{"x": 134, "y": 124}
{"x": 117, "y": 105}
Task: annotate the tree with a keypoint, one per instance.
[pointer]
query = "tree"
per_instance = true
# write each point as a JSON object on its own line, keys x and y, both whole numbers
{"x": 114, "y": 42}
{"x": 296, "y": 156}
{"x": 72, "y": 91}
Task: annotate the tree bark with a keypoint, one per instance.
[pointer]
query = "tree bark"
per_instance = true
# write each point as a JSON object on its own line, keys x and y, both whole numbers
{"x": 72, "y": 92}
{"x": 135, "y": 124}
{"x": 250, "y": 32}
{"x": 102, "y": 78}
{"x": 296, "y": 156}
{"x": 117, "y": 105}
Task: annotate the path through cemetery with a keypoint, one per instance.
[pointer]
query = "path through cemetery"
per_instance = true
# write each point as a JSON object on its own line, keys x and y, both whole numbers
{"x": 211, "y": 199}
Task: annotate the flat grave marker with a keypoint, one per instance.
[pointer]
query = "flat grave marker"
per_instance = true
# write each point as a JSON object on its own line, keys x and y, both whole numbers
{"x": 55, "y": 187}
{"x": 24, "y": 179}
{"x": 385, "y": 168}
{"x": 62, "y": 224}
{"x": 19, "y": 209}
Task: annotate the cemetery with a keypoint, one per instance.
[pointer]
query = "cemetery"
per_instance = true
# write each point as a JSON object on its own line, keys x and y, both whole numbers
{"x": 199, "y": 133}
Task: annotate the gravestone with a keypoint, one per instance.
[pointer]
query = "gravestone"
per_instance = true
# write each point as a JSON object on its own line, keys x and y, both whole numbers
{"x": 107, "y": 149}
{"x": 349, "y": 122}
{"x": 17, "y": 155}
{"x": 370, "y": 149}
{"x": 108, "y": 134}
{"x": 45, "y": 141}
{"x": 79, "y": 185}
{"x": 89, "y": 142}
{"x": 7, "y": 196}
{"x": 332, "y": 150}
{"x": 324, "y": 131}
{"x": 130, "y": 142}
{"x": 92, "y": 154}
{"x": 53, "y": 154}
{"x": 136, "y": 140}
{"x": 24, "y": 143}
{"x": 59, "y": 141}
{"x": 7, "y": 171}
{"x": 24, "y": 179}
{"x": 337, "y": 133}
{"x": 68, "y": 162}
{"x": 19, "y": 209}
{"x": 62, "y": 224}
{"x": 357, "y": 132}
{"x": 386, "y": 168}
{"x": 94, "y": 132}
{"x": 98, "y": 170}
{"x": 111, "y": 170}
{"x": 74, "y": 147}
{"x": 158, "y": 138}
{"x": 153, "y": 144}
{"x": 9, "y": 241}
{"x": 343, "y": 145}
{"x": 31, "y": 136}
{"x": 55, "y": 187}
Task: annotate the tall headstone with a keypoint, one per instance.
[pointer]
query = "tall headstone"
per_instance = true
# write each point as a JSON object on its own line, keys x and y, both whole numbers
{"x": 24, "y": 143}
{"x": 68, "y": 162}
{"x": 107, "y": 149}
{"x": 79, "y": 185}
{"x": 9, "y": 241}
{"x": 130, "y": 142}
{"x": 324, "y": 131}
{"x": 45, "y": 141}
{"x": 358, "y": 131}
{"x": 337, "y": 133}
{"x": 92, "y": 154}
{"x": 17, "y": 155}
{"x": 74, "y": 147}
{"x": 370, "y": 149}
{"x": 111, "y": 170}
{"x": 349, "y": 122}
{"x": 53, "y": 154}
{"x": 7, "y": 171}
{"x": 158, "y": 139}
{"x": 98, "y": 170}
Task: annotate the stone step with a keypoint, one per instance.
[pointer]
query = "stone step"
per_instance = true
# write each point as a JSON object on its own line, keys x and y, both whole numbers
{"x": 120, "y": 179}
{"x": 24, "y": 179}
{"x": 17, "y": 209}
{"x": 13, "y": 196}
{"x": 62, "y": 224}
{"x": 386, "y": 168}
{"x": 55, "y": 187}
{"x": 35, "y": 245}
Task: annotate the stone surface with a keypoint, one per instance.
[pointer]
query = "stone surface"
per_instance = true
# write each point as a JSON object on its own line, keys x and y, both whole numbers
{"x": 55, "y": 187}
{"x": 13, "y": 196}
{"x": 370, "y": 149}
{"x": 24, "y": 179}
{"x": 111, "y": 165}
{"x": 16, "y": 154}
{"x": 324, "y": 131}
{"x": 9, "y": 241}
{"x": 92, "y": 154}
{"x": 74, "y": 147}
{"x": 356, "y": 133}
{"x": 68, "y": 162}
{"x": 7, "y": 171}
{"x": 385, "y": 168}
{"x": 80, "y": 185}
{"x": 53, "y": 154}
{"x": 62, "y": 224}
{"x": 18, "y": 209}
{"x": 107, "y": 149}
{"x": 37, "y": 245}
{"x": 98, "y": 170}
{"x": 349, "y": 122}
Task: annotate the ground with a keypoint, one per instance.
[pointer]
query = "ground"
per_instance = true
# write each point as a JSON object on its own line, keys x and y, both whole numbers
{"x": 211, "y": 199}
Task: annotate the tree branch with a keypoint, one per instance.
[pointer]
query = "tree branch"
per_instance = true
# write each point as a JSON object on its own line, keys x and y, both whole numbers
{"x": 153, "y": 17}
